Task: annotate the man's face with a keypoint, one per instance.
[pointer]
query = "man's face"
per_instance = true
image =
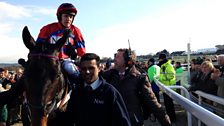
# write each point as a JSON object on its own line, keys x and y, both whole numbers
{"x": 220, "y": 61}
{"x": 89, "y": 71}
{"x": 66, "y": 20}
{"x": 119, "y": 60}
{"x": 197, "y": 67}
{"x": 2, "y": 74}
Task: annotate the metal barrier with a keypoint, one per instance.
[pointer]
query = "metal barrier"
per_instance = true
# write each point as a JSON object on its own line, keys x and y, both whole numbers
{"x": 211, "y": 97}
{"x": 199, "y": 112}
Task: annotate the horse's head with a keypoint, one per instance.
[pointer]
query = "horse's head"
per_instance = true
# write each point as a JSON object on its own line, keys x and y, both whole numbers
{"x": 43, "y": 77}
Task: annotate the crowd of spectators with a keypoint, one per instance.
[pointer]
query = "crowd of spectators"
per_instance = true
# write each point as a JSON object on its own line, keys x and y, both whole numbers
{"x": 10, "y": 113}
{"x": 204, "y": 76}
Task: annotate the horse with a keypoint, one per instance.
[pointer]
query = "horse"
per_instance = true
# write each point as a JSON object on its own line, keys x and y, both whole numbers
{"x": 44, "y": 81}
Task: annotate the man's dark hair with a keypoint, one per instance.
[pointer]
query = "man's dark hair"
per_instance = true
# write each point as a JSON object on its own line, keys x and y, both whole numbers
{"x": 178, "y": 63}
{"x": 152, "y": 60}
{"x": 108, "y": 64}
{"x": 162, "y": 56}
{"x": 90, "y": 56}
{"x": 2, "y": 69}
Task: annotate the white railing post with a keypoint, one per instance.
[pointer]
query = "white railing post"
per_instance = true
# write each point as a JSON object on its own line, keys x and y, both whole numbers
{"x": 199, "y": 102}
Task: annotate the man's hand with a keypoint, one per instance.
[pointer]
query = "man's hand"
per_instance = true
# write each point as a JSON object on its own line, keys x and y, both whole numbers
{"x": 215, "y": 74}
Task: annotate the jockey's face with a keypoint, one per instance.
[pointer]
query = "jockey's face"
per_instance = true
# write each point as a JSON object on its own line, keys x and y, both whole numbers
{"x": 66, "y": 20}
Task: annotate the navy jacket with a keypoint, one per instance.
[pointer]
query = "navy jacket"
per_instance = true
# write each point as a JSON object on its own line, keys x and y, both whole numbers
{"x": 101, "y": 107}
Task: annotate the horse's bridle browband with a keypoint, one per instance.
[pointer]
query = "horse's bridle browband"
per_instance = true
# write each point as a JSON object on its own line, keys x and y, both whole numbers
{"x": 43, "y": 55}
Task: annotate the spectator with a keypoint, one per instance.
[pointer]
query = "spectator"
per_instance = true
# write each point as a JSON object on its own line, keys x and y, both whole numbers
{"x": 13, "y": 104}
{"x": 168, "y": 78}
{"x": 178, "y": 67}
{"x": 204, "y": 82}
{"x": 109, "y": 64}
{"x": 135, "y": 89}
{"x": 19, "y": 73}
{"x": 3, "y": 111}
{"x": 173, "y": 62}
{"x": 179, "y": 70}
{"x": 4, "y": 80}
{"x": 144, "y": 66}
{"x": 153, "y": 70}
{"x": 14, "y": 107}
{"x": 101, "y": 105}
{"x": 179, "y": 73}
{"x": 218, "y": 76}
{"x": 195, "y": 72}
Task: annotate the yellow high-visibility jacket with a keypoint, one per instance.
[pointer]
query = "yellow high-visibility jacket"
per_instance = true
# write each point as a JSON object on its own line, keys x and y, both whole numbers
{"x": 167, "y": 74}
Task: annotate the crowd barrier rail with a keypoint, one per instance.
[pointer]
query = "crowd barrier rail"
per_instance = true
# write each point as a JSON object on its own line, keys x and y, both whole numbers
{"x": 199, "y": 112}
{"x": 210, "y": 97}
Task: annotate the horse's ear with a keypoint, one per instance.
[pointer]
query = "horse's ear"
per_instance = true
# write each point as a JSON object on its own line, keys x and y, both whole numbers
{"x": 28, "y": 40}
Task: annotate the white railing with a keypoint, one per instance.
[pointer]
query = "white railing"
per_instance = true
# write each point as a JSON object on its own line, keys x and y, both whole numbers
{"x": 211, "y": 97}
{"x": 199, "y": 112}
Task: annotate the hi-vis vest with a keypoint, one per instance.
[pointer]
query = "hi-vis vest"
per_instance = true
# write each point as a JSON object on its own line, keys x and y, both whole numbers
{"x": 167, "y": 74}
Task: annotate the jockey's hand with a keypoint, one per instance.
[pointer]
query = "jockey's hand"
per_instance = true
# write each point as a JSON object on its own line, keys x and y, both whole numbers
{"x": 73, "y": 56}
{"x": 67, "y": 33}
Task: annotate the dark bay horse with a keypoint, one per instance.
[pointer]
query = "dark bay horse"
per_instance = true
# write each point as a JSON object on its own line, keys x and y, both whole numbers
{"x": 43, "y": 78}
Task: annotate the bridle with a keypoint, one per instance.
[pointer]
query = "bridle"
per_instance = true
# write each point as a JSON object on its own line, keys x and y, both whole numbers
{"x": 56, "y": 102}
{"x": 43, "y": 80}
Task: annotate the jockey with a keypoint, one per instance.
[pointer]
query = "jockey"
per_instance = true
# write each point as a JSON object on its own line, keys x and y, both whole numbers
{"x": 75, "y": 45}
